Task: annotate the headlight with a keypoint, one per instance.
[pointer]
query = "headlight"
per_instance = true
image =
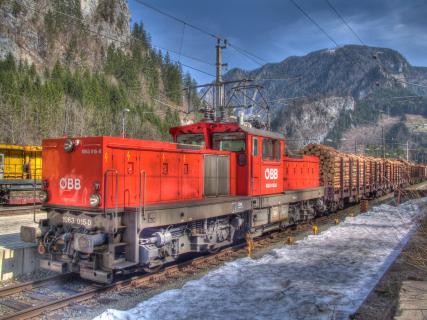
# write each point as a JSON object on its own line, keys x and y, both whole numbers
{"x": 95, "y": 200}
{"x": 68, "y": 145}
{"x": 43, "y": 196}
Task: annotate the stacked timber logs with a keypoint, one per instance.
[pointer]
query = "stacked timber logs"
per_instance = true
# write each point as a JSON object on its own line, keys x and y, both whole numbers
{"x": 405, "y": 168}
{"x": 348, "y": 171}
{"x": 331, "y": 162}
{"x": 357, "y": 169}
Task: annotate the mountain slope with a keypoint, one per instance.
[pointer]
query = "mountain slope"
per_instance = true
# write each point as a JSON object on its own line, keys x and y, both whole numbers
{"x": 44, "y": 32}
{"x": 70, "y": 67}
{"x": 340, "y": 89}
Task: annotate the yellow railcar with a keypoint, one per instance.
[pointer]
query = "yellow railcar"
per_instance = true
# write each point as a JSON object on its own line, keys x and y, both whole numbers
{"x": 20, "y": 173}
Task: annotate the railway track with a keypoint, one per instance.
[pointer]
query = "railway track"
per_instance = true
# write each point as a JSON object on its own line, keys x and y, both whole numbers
{"x": 25, "y": 300}
{"x": 19, "y": 210}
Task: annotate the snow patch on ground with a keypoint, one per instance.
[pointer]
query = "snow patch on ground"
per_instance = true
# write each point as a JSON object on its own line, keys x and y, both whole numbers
{"x": 321, "y": 277}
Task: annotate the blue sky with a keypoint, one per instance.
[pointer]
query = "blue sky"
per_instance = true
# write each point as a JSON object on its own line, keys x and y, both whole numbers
{"x": 276, "y": 29}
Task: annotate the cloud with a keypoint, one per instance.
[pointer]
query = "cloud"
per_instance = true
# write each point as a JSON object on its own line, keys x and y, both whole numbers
{"x": 275, "y": 29}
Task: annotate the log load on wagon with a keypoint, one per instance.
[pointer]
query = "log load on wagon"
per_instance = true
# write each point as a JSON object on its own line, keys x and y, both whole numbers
{"x": 347, "y": 177}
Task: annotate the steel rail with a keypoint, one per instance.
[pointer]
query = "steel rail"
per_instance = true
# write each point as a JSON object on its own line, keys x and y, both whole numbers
{"x": 3, "y": 208}
{"x": 10, "y": 211}
{"x": 10, "y": 290}
{"x": 54, "y": 305}
{"x": 173, "y": 271}
{"x": 135, "y": 281}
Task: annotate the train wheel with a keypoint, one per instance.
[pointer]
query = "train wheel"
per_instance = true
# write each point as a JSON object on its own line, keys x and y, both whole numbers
{"x": 153, "y": 269}
{"x": 214, "y": 250}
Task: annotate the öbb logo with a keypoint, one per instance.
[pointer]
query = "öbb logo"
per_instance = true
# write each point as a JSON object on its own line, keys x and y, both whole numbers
{"x": 69, "y": 184}
{"x": 271, "y": 174}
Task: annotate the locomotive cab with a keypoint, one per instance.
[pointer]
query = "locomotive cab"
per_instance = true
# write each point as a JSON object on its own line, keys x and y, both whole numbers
{"x": 258, "y": 153}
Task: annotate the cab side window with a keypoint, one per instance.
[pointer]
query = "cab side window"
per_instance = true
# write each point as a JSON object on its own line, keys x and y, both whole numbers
{"x": 255, "y": 146}
{"x": 277, "y": 150}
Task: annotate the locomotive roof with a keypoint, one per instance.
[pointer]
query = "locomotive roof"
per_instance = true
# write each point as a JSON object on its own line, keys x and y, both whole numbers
{"x": 263, "y": 133}
{"x": 199, "y": 126}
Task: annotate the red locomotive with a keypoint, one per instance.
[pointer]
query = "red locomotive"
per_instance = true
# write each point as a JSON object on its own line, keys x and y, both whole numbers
{"x": 117, "y": 205}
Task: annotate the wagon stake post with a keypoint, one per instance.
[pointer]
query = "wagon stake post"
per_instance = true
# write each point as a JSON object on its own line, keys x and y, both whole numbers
{"x": 250, "y": 244}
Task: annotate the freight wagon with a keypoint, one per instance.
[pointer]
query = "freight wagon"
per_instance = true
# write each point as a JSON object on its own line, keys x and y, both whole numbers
{"x": 348, "y": 178}
{"x": 20, "y": 174}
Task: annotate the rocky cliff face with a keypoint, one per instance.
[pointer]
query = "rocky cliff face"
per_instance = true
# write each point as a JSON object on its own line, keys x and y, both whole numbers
{"x": 311, "y": 120}
{"x": 45, "y": 32}
{"x": 340, "y": 88}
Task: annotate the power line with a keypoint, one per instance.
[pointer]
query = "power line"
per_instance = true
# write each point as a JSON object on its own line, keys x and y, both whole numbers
{"x": 287, "y": 99}
{"x": 314, "y": 22}
{"x": 169, "y": 105}
{"x": 361, "y": 41}
{"x": 345, "y": 22}
{"x": 100, "y": 35}
{"x": 200, "y": 29}
{"x": 277, "y": 79}
{"x": 196, "y": 69}
{"x": 182, "y": 54}
{"x": 182, "y": 41}
{"x": 247, "y": 52}
{"x": 246, "y": 55}
{"x": 240, "y": 50}
{"x": 106, "y": 36}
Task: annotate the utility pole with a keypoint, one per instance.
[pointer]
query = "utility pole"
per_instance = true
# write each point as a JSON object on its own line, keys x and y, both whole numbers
{"x": 382, "y": 139}
{"x": 407, "y": 150}
{"x": 124, "y": 111}
{"x": 219, "y": 86}
{"x": 217, "y": 110}
{"x": 355, "y": 146}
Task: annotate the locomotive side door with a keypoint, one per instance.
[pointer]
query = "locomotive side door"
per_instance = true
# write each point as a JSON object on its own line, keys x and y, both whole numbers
{"x": 131, "y": 180}
{"x": 271, "y": 166}
{"x": 115, "y": 179}
{"x": 1, "y": 165}
{"x": 256, "y": 166}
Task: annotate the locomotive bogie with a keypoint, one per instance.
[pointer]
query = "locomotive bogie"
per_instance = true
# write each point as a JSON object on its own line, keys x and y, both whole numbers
{"x": 206, "y": 235}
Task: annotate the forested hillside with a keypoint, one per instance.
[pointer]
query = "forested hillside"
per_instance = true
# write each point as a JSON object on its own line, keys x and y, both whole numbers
{"x": 59, "y": 77}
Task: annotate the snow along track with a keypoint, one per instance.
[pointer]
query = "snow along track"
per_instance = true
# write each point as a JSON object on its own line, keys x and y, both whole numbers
{"x": 321, "y": 277}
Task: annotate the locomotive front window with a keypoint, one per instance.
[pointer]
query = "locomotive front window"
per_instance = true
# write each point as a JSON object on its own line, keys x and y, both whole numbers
{"x": 191, "y": 138}
{"x": 233, "y": 141}
{"x": 271, "y": 149}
